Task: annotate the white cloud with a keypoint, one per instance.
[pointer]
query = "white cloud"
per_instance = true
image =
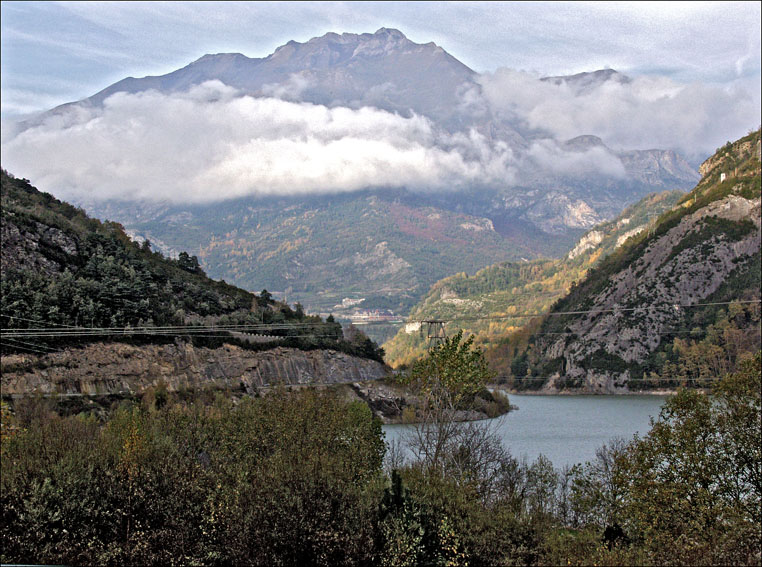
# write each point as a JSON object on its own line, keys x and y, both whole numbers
{"x": 211, "y": 144}
{"x": 291, "y": 89}
{"x": 648, "y": 112}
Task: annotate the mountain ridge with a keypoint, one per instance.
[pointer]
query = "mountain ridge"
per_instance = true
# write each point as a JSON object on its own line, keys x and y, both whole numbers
{"x": 491, "y": 303}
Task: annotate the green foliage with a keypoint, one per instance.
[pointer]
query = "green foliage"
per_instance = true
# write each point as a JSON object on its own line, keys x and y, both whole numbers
{"x": 695, "y": 478}
{"x": 452, "y": 373}
{"x": 296, "y": 478}
{"x": 196, "y": 485}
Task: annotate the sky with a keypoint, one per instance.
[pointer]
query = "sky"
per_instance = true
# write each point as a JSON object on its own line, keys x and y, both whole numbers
{"x": 696, "y": 70}
{"x": 56, "y": 52}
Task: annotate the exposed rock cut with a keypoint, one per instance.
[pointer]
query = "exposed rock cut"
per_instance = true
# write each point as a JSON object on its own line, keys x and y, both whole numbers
{"x": 116, "y": 368}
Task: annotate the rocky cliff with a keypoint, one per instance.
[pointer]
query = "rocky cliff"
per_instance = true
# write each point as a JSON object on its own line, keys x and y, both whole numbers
{"x": 100, "y": 369}
{"x": 654, "y": 291}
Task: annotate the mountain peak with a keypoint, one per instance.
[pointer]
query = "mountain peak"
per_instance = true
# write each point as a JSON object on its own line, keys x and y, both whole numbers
{"x": 390, "y": 32}
{"x": 583, "y": 143}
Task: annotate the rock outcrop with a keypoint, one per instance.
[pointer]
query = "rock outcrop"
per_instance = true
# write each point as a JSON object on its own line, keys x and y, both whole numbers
{"x": 116, "y": 368}
{"x": 607, "y": 331}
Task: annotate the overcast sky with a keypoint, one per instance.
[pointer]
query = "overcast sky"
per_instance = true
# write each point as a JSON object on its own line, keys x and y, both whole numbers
{"x": 56, "y": 52}
{"x": 695, "y": 70}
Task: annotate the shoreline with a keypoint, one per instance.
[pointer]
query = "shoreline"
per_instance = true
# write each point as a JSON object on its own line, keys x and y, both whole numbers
{"x": 659, "y": 392}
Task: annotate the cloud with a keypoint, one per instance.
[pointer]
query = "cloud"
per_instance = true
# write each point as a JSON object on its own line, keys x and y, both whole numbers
{"x": 213, "y": 143}
{"x": 210, "y": 143}
{"x": 644, "y": 113}
{"x": 291, "y": 89}
{"x": 548, "y": 156}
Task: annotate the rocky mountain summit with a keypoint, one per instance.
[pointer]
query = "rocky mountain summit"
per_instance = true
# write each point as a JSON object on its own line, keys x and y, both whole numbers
{"x": 383, "y": 70}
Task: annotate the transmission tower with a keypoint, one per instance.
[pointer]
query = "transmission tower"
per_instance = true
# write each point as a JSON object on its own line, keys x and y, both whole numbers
{"x": 435, "y": 332}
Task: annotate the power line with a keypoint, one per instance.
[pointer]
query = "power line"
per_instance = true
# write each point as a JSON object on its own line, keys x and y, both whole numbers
{"x": 558, "y": 313}
{"x": 662, "y": 333}
{"x": 35, "y": 320}
{"x": 192, "y": 329}
{"x": 24, "y": 348}
{"x": 588, "y": 311}
{"x": 670, "y": 381}
{"x": 233, "y": 327}
{"x": 35, "y": 345}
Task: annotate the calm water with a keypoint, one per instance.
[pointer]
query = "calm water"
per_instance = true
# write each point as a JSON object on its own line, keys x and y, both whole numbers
{"x": 567, "y": 429}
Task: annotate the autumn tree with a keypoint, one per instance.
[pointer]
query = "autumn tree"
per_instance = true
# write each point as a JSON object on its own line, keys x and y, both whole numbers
{"x": 446, "y": 380}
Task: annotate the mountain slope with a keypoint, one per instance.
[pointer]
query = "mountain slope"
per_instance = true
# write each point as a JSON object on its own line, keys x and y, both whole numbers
{"x": 381, "y": 246}
{"x": 483, "y": 303}
{"x": 679, "y": 302}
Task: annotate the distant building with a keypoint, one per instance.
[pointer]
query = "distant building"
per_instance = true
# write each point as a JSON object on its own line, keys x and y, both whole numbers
{"x": 414, "y": 327}
{"x": 722, "y": 177}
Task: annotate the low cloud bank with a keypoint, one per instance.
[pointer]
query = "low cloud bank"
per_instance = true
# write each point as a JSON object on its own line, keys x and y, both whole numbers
{"x": 212, "y": 143}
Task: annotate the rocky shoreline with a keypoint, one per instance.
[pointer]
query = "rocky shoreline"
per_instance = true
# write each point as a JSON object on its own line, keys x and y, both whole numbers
{"x": 395, "y": 404}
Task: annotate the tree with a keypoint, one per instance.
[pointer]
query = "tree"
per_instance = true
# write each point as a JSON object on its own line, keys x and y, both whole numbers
{"x": 446, "y": 380}
{"x": 363, "y": 344}
{"x": 265, "y": 298}
{"x": 189, "y": 263}
{"x": 695, "y": 478}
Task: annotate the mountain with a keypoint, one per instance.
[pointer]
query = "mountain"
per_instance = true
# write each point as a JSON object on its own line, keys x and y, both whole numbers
{"x": 384, "y": 70}
{"x": 386, "y": 248}
{"x": 587, "y": 81}
{"x": 678, "y": 304}
{"x": 552, "y": 192}
{"x": 493, "y": 303}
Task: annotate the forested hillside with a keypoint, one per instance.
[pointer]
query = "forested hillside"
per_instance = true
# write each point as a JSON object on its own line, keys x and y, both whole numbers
{"x": 62, "y": 269}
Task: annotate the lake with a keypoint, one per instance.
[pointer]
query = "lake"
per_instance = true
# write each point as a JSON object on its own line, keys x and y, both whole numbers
{"x": 567, "y": 429}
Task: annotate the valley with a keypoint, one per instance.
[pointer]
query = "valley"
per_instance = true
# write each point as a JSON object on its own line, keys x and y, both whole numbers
{"x": 347, "y": 299}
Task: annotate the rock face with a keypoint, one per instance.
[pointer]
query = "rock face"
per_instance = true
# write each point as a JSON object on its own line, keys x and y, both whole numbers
{"x": 665, "y": 275}
{"x": 619, "y": 316}
{"x": 116, "y": 368}
{"x": 35, "y": 246}
{"x": 587, "y": 242}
